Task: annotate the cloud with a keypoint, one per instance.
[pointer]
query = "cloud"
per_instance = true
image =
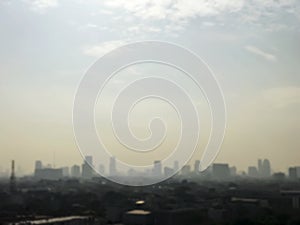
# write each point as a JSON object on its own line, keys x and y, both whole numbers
{"x": 269, "y": 14}
{"x": 42, "y": 5}
{"x": 181, "y": 9}
{"x": 168, "y": 16}
{"x": 103, "y": 48}
{"x": 195, "y": 8}
{"x": 267, "y": 56}
{"x": 175, "y": 10}
{"x": 282, "y": 97}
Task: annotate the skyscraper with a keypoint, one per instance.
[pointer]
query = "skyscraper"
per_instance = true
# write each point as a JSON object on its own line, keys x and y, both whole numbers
{"x": 89, "y": 159}
{"x": 293, "y": 173}
{"x": 87, "y": 170}
{"x": 157, "y": 168}
{"x": 168, "y": 171}
{"x": 252, "y": 171}
{"x": 176, "y": 166}
{"x": 232, "y": 171}
{"x": 259, "y": 166}
{"x": 75, "y": 171}
{"x": 197, "y": 166}
{"x": 65, "y": 171}
{"x": 38, "y": 165}
{"x": 266, "y": 168}
{"x": 220, "y": 171}
{"x": 298, "y": 171}
{"x": 112, "y": 167}
{"x": 101, "y": 169}
{"x": 49, "y": 174}
{"x": 186, "y": 170}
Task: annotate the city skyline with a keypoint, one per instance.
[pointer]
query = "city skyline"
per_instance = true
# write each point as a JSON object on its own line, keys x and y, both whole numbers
{"x": 262, "y": 169}
{"x": 253, "y": 49}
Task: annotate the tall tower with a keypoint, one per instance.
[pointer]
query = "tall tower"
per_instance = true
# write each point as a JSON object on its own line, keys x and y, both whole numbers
{"x": 157, "y": 168}
{"x": 260, "y": 169}
{"x": 112, "y": 167}
{"x": 197, "y": 166}
{"x": 38, "y": 165}
{"x": 266, "y": 168}
{"x": 13, "y": 186}
{"x": 89, "y": 159}
{"x": 176, "y": 166}
{"x": 87, "y": 169}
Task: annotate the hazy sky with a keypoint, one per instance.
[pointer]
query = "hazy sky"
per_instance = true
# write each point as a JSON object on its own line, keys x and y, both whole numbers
{"x": 253, "y": 47}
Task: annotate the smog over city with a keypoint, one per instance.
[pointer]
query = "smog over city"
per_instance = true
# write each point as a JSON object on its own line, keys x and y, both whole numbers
{"x": 146, "y": 112}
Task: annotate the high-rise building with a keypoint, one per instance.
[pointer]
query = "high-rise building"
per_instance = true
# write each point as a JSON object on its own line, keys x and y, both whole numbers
{"x": 48, "y": 174}
{"x": 112, "y": 167}
{"x": 293, "y": 173}
{"x": 197, "y": 166}
{"x": 87, "y": 170}
{"x": 66, "y": 171}
{"x": 168, "y": 171}
{"x": 38, "y": 165}
{"x": 266, "y": 168}
{"x": 252, "y": 171}
{"x": 101, "y": 169}
{"x": 89, "y": 159}
{"x": 259, "y": 167}
{"x": 232, "y": 171}
{"x": 157, "y": 168}
{"x": 279, "y": 176}
{"x": 220, "y": 171}
{"x": 298, "y": 171}
{"x": 176, "y": 166}
{"x": 186, "y": 170}
{"x": 75, "y": 171}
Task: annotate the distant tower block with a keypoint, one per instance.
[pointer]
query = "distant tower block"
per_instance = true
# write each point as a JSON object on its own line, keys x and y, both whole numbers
{"x": 38, "y": 165}
{"x": 157, "y": 168}
{"x": 197, "y": 166}
{"x": 101, "y": 169}
{"x": 89, "y": 159}
{"x": 176, "y": 166}
{"x": 259, "y": 166}
{"x": 13, "y": 186}
{"x": 266, "y": 168}
{"x": 112, "y": 167}
{"x": 220, "y": 171}
{"x": 293, "y": 173}
{"x": 75, "y": 171}
{"x": 87, "y": 170}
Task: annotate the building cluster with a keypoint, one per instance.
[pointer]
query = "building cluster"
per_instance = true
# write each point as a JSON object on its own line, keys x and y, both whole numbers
{"x": 47, "y": 172}
{"x": 216, "y": 195}
{"x": 218, "y": 171}
{"x": 263, "y": 169}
